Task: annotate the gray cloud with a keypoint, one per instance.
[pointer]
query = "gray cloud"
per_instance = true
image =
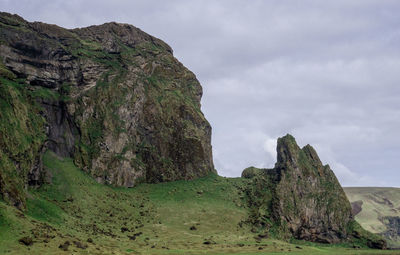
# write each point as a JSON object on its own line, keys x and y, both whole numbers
{"x": 325, "y": 71}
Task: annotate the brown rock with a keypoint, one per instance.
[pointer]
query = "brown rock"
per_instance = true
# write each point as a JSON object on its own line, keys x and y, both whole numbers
{"x": 26, "y": 240}
{"x": 80, "y": 245}
{"x": 64, "y": 246}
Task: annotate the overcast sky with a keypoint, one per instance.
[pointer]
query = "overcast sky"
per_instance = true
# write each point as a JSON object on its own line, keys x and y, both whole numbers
{"x": 327, "y": 72}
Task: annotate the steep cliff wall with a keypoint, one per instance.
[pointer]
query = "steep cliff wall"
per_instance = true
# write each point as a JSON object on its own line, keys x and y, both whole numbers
{"x": 111, "y": 96}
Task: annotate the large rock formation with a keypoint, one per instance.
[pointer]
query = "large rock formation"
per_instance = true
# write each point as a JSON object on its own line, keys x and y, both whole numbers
{"x": 302, "y": 197}
{"x": 111, "y": 96}
{"x": 309, "y": 198}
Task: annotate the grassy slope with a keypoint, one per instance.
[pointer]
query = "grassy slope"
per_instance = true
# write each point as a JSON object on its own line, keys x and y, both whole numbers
{"x": 75, "y": 208}
{"x": 377, "y": 203}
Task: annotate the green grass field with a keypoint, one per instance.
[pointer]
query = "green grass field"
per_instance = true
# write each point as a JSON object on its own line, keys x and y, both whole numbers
{"x": 183, "y": 217}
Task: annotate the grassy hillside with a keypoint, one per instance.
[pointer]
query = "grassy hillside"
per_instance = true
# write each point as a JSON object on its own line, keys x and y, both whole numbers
{"x": 379, "y": 207}
{"x": 73, "y": 214}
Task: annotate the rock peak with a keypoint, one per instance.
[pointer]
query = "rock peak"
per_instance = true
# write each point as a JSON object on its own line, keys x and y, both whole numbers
{"x": 290, "y": 155}
{"x": 111, "y": 34}
{"x": 286, "y": 149}
{"x": 11, "y": 19}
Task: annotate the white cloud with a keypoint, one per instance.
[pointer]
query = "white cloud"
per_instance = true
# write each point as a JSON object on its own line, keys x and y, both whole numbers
{"x": 270, "y": 147}
{"x": 350, "y": 178}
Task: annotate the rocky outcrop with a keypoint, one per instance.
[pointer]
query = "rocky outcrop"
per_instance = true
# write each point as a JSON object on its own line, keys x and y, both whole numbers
{"x": 300, "y": 197}
{"x": 309, "y": 198}
{"x": 113, "y": 97}
{"x": 251, "y": 172}
{"x": 393, "y": 229}
{"x": 356, "y": 207}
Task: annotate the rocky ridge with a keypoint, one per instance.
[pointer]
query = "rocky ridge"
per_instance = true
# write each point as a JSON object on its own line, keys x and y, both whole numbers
{"x": 111, "y": 96}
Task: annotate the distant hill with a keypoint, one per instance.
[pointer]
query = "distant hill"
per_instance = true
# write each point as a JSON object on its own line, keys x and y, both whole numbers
{"x": 377, "y": 210}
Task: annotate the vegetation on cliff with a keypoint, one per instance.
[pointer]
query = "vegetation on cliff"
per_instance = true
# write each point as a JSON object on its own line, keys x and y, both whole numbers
{"x": 21, "y": 139}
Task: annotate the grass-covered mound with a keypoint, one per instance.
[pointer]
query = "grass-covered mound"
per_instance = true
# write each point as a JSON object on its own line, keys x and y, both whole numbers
{"x": 205, "y": 216}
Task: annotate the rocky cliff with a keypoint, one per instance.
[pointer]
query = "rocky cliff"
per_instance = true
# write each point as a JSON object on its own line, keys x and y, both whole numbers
{"x": 301, "y": 198}
{"x": 111, "y": 97}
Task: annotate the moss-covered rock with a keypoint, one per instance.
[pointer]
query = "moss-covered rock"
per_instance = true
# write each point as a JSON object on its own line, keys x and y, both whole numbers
{"x": 22, "y": 135}
{"x": 114, "y": 98}
{"x": 251, "y": 172}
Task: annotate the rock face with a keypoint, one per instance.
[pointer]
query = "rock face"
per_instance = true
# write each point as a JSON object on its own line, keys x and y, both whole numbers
{"x": 301, "y": 197}
{"x": 112, "y": 97}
